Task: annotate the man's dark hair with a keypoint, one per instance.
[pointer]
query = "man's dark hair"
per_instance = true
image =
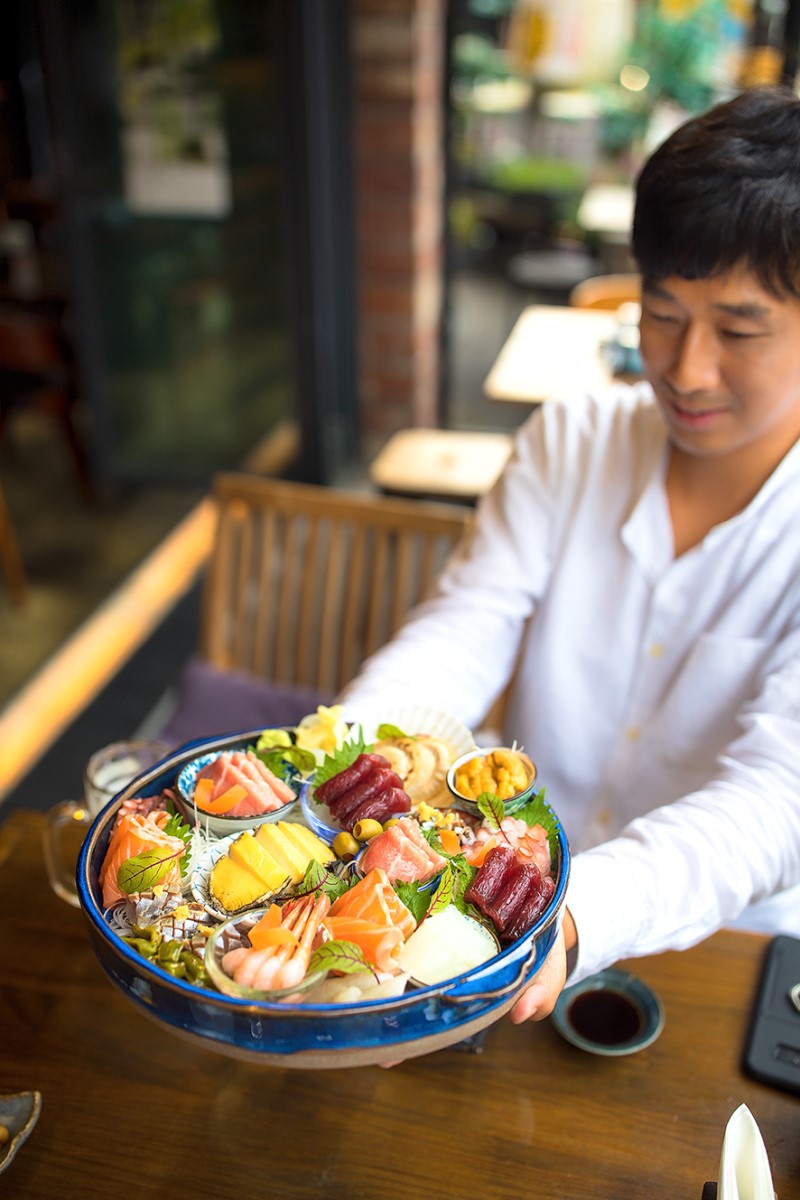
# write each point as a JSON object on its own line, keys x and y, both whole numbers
{"x": 724, "y": 190}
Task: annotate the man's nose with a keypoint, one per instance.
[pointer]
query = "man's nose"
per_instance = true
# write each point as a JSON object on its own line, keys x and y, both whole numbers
{"x": 695, "y": 364}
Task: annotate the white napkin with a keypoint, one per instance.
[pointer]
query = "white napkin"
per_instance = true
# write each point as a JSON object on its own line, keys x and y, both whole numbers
{"x": 744, "y": 1170}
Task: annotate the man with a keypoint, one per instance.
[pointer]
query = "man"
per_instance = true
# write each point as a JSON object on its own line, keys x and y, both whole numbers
{"x": 636, "y": 573}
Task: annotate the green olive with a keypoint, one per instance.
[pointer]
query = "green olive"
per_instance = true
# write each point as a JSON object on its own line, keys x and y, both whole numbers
{"x": 392, "y": 821}
{"x": 345, "y": 846}
{"x": 363, "y": 831}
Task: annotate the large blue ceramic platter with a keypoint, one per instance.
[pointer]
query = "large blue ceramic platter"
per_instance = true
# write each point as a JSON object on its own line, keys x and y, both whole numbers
{"x": 305, "y": 1034}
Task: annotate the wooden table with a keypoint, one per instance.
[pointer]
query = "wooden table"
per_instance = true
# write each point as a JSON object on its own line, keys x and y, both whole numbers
{"x": 452, "y": 464}
{"x": 130, "y": 1109}
{"x": 552, "y": 353}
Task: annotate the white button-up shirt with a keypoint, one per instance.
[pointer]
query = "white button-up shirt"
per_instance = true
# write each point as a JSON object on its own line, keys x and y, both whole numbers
{"x": 659, "y": 697}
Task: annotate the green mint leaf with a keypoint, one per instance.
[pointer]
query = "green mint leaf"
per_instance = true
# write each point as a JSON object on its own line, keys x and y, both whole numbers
{"x": 491, "y": 809}
{"x": 391, "y": 731}
{"x": 345, "y": 957}
{"x": 144, "y": 871}
{"x": 343, "y": 757}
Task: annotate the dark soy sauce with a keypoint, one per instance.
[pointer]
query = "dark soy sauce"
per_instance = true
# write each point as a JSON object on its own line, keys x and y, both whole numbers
{"x": 604, "y": 1017}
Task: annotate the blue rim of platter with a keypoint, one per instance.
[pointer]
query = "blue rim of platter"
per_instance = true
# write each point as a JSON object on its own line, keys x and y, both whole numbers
{"x": 438, "y": 1014}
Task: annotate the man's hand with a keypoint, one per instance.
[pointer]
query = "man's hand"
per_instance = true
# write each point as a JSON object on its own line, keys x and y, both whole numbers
{"x": 539, "y": 998}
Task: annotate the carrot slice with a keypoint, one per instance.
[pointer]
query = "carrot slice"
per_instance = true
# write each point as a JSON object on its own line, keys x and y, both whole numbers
{"x": 203, "y": 791}
{"x": 270, "y": 920}
{"x": 277, "y": 936}
{"x": 449, "y": 840}
{"x": 225, "y": 802}
{"x": 476, "y": 860}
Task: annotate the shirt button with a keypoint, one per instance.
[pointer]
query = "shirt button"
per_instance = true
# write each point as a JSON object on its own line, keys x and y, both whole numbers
{"x": 633, "y": 733}
{"x": 656, "y": 650}
{"x": 604, "y": 816}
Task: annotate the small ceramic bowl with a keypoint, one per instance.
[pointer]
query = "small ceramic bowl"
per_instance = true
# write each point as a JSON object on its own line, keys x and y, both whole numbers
{"x": 512, "y": 803}
{"x": 611, "y": 1013}
{"x": 220, "y": 824}
{"x": 228, "y": 936}
{"x": 19, "y": 1112}
{"x": 320, "y": 818}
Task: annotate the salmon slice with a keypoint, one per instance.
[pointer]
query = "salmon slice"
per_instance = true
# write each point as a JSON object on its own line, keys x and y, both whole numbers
{"x": 132, "y": 835}
{"x": 374, "y": 899}
{"x": 380, "y": 944}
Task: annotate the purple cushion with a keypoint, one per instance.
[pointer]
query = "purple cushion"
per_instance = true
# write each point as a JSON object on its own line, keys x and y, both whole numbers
{"x": 211, "y": 702}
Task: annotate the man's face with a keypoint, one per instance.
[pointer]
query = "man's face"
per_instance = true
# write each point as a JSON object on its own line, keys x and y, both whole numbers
{"x": 723, "y": 357}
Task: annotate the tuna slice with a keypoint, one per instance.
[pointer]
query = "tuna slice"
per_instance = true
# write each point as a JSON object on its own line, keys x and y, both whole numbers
{"x": 403, "y": 853}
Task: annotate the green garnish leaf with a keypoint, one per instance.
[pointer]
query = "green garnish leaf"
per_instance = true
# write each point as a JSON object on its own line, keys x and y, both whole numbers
{"x": 341, "y": 758}
{"x": 345, "y": 957}
{"x": 272, "y": 738}
{"x": 491, "y": 809}
{"x": 415, "y": 900}
{"x": 177, "y": 827}
{"x": 538, "y": 812}
{"x": 463, "y": 875}
{"x": 144, "y": 871}
{"x": 318, "y": 878}
{"x": 445, "y": 891}
{"x": 276, "y": 759}
{"x": 391, "y": 731}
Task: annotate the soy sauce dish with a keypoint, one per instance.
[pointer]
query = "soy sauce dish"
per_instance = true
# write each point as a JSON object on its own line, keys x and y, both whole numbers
{"x": 610, "y": 1014}
{"x": 311, "y": 1034}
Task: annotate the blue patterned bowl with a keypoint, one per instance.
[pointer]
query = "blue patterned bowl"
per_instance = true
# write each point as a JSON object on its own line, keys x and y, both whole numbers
{"x": 221, "y": 824}
{"x": 312, "y": 1035}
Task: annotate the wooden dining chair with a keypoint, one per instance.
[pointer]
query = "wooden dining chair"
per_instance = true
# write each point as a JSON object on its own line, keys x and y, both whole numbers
{"x": 305, "y": 582}
{"x": 606, "y": 291}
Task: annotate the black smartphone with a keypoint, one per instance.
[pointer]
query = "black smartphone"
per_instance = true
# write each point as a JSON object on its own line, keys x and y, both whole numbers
{"x": 772, "y": 1049}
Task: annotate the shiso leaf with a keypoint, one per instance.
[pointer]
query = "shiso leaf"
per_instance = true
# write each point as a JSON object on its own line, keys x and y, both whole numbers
{"x": 338, "y": 956}
{"x": 341, "y": 758}
{"x": 144, "y": 871}
{"x": 415, "y": 899}
{"x": 176, "y": 826}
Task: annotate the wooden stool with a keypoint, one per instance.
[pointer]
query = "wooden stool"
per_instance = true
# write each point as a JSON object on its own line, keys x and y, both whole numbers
{"x": 444, "y": 463}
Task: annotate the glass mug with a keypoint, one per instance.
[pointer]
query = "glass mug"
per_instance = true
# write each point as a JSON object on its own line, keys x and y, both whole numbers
{"x": 106, "y": 773}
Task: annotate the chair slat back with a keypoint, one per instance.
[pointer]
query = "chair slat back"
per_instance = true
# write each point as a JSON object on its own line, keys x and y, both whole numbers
{"x": 305, "y": 582}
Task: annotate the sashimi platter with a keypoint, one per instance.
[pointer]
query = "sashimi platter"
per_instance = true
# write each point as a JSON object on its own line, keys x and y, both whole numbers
{"x": 330, "y": 893}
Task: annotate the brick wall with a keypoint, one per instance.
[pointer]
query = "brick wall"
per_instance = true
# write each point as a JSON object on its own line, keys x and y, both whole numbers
{"x": 398, "y": 86}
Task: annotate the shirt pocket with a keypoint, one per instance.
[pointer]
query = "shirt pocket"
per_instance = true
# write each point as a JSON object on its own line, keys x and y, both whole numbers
{"x": 698, "y": 718}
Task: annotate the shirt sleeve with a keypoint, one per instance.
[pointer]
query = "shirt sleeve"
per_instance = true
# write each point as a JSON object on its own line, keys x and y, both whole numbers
{"x": 457, "y": 650}
{"x": 676, "y": 875}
